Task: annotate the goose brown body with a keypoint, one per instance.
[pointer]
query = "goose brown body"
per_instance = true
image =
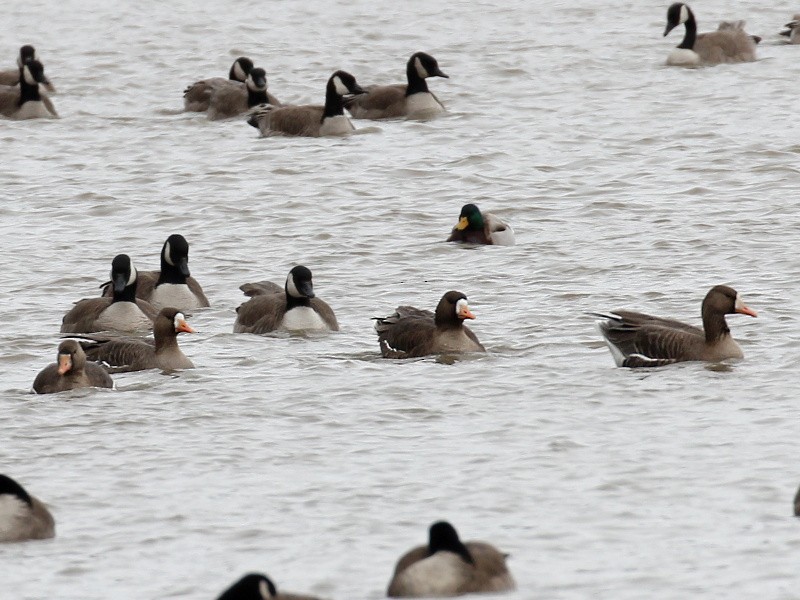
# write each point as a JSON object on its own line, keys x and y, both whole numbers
{"x": 410, "y": 332}
{"x": 234, "y": 99}
{"x": 70, "y": 371}
{"x": 447, "y": 567}
{"x": 728, "y": 44}
{"x": 22, "y": 516}
{"x": 641, "y": 340}
{"x": 197, "y": 96}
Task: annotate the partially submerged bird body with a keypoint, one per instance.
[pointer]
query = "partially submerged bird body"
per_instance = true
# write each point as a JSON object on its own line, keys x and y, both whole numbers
{"x": 232, "y": 100}
{"x": 410, "y": 332}
{"x": 22, "y": 516}
{"x": 197, "y": 96}
{"x": 11, "y": 77}
{"x": 729, "y": 44}
{"x": 71, "y": 371}
{"x": 792, "y": 30}
{"x": 475, "y": 227}
{"x": 25, "y": 101}
{"x": 641, "y": 340}
{"x": 256, "y": 586}
{"x": 412, "y": 99}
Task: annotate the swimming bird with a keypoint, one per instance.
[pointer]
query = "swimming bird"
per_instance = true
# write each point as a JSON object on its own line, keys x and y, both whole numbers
{"x": 411, "y": 332}
{"x": 12, "y": 76}
{"x": 197, "y": 96}
{"x": 124, "y": 354}
{"x": 310, "y": 120}
{"x": 792, "y": 30}
{"x": 293, "y": 308}
{"x": 640, "y": 340}
{"x": 729, "y": 44}
{"x": 70, "y": 371}
{"x": 412, "y": 99}
{"x": 22, "y": 516}
{"x": 256, "y": 586}
{"x": 475, "y": 227}
{"x": 25, "y": 101}
{"x": 233, "y": 100}
{"x": 122, "y": 312}
{"x": 797, "y": 504}
{"x": 447, "y": 567}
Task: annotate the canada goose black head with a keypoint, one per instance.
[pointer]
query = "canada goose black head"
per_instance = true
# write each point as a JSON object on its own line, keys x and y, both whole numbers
{"x": 123, "y": 274}
{"x": 257, "y": 80}
{"x": 424, "y": 65}
{"x": 343, "y": 83}
{"x": 442, "y": 536}
{"x": 11, "y": 488}
{"x": 33, "y": 73}
{"x": 240, "y": 69}
{"x": 299, "y": 285}
{"x": 452, "y": 310}
{"x": 678, "y": 14}
{"x": 26, "y": 53}
{"x": 175, "y": 255}
{"x": 253, "y": 586}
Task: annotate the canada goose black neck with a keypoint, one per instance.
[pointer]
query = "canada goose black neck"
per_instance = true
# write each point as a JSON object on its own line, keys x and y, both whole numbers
{"x": 419, "y": 67}
{"x": 11, "y": 487}
{"x": 174, "y": 260}
{"x": 416, "y": 84}
{"x": 444, "y": 537}
{"x": 252, "y": 585}
{"x": 299, "y": 288}
{"x": 30, "y": 75}
{"x": 123, "y": 279}
{"x": 334, "y": 104}
{"x": 675, "y": 14}
{"x": 256, "y": 87}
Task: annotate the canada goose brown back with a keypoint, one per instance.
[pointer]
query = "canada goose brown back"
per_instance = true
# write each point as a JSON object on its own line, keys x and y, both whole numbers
{"x": 25, "y": 100}
{"x": 640, "y": 340}
{"x": 792, "y": 30}
{"x": 310, "y": 120}
{"x": 256, "y": 586}
{"x": 729, "y": 44}
{"x": 447, "y": 567}
{"x": 233, "y": 100}
{"x": 124, "y": 354}
{"x": 197, "y": 96}
{"x": 475, "y": 227}
{"x": 22, "y": 516}
{"x": 122, "y": 312}
{"x": 12, "y": 76}
{"x": 410, "y": 332}
{"x": 412, "y": 99}
{"x": 294, "y": 307}
{"x": 70, "y": 371}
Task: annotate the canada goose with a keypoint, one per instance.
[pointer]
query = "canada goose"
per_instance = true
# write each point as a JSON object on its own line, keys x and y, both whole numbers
{"x": 232, "y": 100}
{"x": 11, "y": 76}
{"x": 792, "y": 30}
{"x": 293, "y": 308}
{"x": 411, "y": 332}
{"x": 797, "y": 504}
{"x": 172, "y": 285}
{"x": 474, "y": 227}
{"x": 729, "y": 44}
{"x": 25, "y": 101}
{"x": 256, "y": 586}
{"x": 22, "y": 516}
{"x": 412, "y": 99}
{"x": 70, "y": 371}
{"x": 310, "y": 120}
{"x": 122, "y": 312}
{"x": 640, "y": 340}
{"x": 196, "y": 97}
{"x": 447, "y": 567}
{"x": 122, "y": 354}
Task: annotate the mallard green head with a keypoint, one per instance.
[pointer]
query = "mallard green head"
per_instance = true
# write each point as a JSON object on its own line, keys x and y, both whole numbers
{"x": 470, "y": 218}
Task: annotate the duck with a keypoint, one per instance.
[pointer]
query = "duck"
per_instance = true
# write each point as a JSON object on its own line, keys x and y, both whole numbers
{"x": 475, "y": 227}
{"x": 640, "y": 340}
{"x": 121, "y": 354}
{"x": 197, "y": 96}
{"x": 448, "y": 567}
{"x": 294, "y": 307}
{"x": 70, "y": 371}
{"x": 729, "y": 44}
{"x": 310, "y": 120}
{"x": 229, "y": 101}
{"x": 11, "y": 76}
{"x": 25, "y": 101}
{"x": 122, "y": 312}
{"x": 22, "y": 516}
{"x": 410, "y": 332}
{"x": 412, "y": 99}
{"x": 173, "y": 285}
{"x": 792, "y": 30}
{"x": 256, "y": 586}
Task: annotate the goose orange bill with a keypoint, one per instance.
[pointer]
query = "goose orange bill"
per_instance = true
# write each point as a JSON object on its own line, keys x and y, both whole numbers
{"x": 64, "y": 363}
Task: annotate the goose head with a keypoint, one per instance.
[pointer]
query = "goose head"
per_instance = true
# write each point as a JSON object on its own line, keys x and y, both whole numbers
{"x": 425, "y": 66}
{"x": 298, "y": 283}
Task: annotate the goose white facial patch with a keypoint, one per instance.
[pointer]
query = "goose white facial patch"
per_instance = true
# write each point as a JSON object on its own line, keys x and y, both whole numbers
{"x": 177, "y": 321}
{"x": 167, "y": 254}
{"x": 341, "y": 88}
{"x": 421, "y": 71}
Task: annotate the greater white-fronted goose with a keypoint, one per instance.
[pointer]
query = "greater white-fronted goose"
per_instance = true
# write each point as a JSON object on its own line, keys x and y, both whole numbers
{"x": 293, "y": 308}
{"x": 411, "y": 332}
{"x": 25, "y": 101}
{"x": 475, "y": 227}
{"x": 11, "y": 76}
{"x": 792, "y": 30}
{"x": 640, "y": 340}
{"x": 729, "y": 44}
{"x": 197, "y": 96}
{"x": 70, "y": 371}
{"x": 124, "y": 354}
{"x": 22, "y": 516}
{"x": 173, "y": 285}
{"x": 447, "y": 567}
{"x": 412, "y": 99}
{"x": 229, "y": 101}
{"x": 256, "y": 586}
{"x": 122, "y": 312}
{"x": 310, "y": 120}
